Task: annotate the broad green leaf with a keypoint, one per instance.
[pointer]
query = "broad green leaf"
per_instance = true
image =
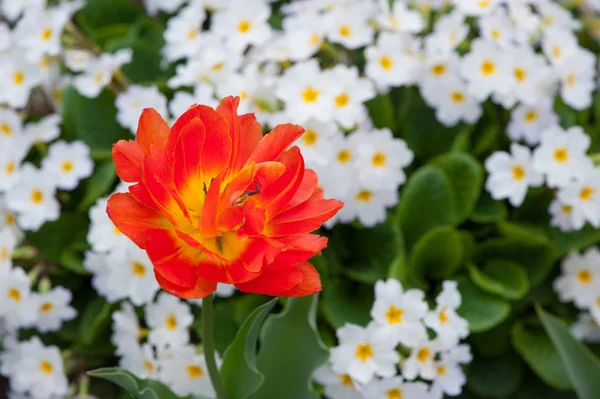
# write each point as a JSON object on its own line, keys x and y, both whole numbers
{"x": 381, "y": 111}
{"x": 99, "y": 184}
{"x": 92, "y": 120}
{"x": 482, "y": 310}
{"x": 346, "y": 302}
{"x": 537, "y": 259}
{"x": 290, "y": 351}
{"x": 240, "y": 375}
{"x": 438, "y": 253}
{"x": 581, "y": 365}
{"x": 466, "y": 177}
{"x": 428, "y": 200}
{"x": 100, "y": 13}
{"x": 94, "y": 320}
{"x": 497, "y": 377}
{"x": 535, "y": 347}
{"x": 488, "y": 210}
{"x": 530, "y": 234}
{"x": 501, "y": 277}
{"x": 574, "y": 240}
{"x": 137, "y": 388}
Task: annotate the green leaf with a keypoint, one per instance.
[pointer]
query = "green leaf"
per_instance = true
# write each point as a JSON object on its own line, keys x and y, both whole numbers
{"x": 574, "y": 240}
{"x": 488, "y": 210}
{"x": 534, "y": 346}
{"x": 536, "y": 258}
{"x": 482, "y": 310}
{"x": 92, "y": 120}
{"x": 137, "y": 388}
{"x": 100, "y": 13}
{"x": 501, "y": 277}
{"x": 428, "y": 200}
{"x": 438, "y": 253}
{"x": 497, "y": 377}
{"x": 240, "y": 375}
{"x": 94, "y": 320}
{"x": 54, "y": 238}
{"x": 466, "y": 177}
{"x": 99, "y": 184}
{"x": 493, "y": 342}
{"x": 381, "y": 110}
{"x": 347, "y": 302}
{"x": 290, "y": 351}
{"x": 581, "y": 365}
{"x": 523, "y": 232}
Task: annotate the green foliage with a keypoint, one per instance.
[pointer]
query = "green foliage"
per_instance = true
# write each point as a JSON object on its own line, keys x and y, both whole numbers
{"x": 482, "y": 310}
{"x": 498, "y": 377}
{"x": 438, "y": 253}
{"x": 500, "y": 277}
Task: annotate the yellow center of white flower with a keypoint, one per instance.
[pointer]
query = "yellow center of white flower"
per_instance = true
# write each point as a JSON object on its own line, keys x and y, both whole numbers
{"x": 441, "y": 370}
{"x": 4, "y": 254}
{"x": 9, "y": 168}
{"x": 586, "y": 193}
{"x": 457, "y": 97}
{"x": 46, "y": 34}
{"x": 386, "y": 63}
{"x": 394, "y": 394}
{"x": 378, "y": 160}
{"x": 556, "y": 51}
{"x": 46, "y": 367}
{"x": 518, "y": 173}
{"x": 394, "y": 315}
{"x": 14, "y": 295}
{"x": 561, "y": 155}
{"x": 364, "y": 196}
{"x": 244, "y": 26}
{"x": 171, "y": 322}
{"x": 531, "y": 116}
{"x": 138, "y": 269}
{"x": 443, "y": 316}
{"x": 571, "y": 79}
{"x": 345, "y": 31}
{"x": 37, "y": 197}
{"x": 47, "y": 307}
{"x": 342, "y": 100}
{"x": 520, "y": 74}
{"x": 346, "y": 380}
{"x": 584, "y": 276}
{"x": 423, "y": 354}
{"x": 566, "y": 209}
{"x": 344, "y": 156}
{"x": 194, "y": 371}
{"x": 438, "y": 69}
{"x": 310, "y": 95}
{"x": 66, "y": 166}
{"x": 149, "y": 367}
{"x": 488, "y": 68}
{"x": 495, "y": 33}
{"x": 484, "y": 3}
{"x": 18, "y": 77}
{"x": 315, "y": 38}
{"x": 310, "y": 137}
{"x": 5, "y": 129}
{"x": 364, "y": 352}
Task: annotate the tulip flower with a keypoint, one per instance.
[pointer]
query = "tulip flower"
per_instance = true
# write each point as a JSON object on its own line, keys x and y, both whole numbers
{"x": 214, "y": 200}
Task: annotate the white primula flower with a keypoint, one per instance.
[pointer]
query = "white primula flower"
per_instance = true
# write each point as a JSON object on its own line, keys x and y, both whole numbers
{"x": 511, "y": 174}
{"x": 20, "y": 77}
{"x": 103, "y": 235}
{"x": 11, "y": 128}
{"x": 497, "y": 27}
{"x": 303, "y": 35}
{"x": 68, "y": 163}
{"x": 11, "y": 157}
{"x": 182, "y": 100}
{"x": 486, "y": 70}
{"x": 367, "y": 204}
{"x": 349, "y": 93}
{"x": 452, "y": 101}
{"x": 448, "y": 380}
{"x": 349, "y": 26}
{"x": 17, "y": 306}
{"x": 337, "y": 386}
{"x": 53, "y": 309}
{"x": 449, "y": 32}
{"x": 586, "y": 328}
{"x": 183, "y": 34}
{"x": 527, "y": 122}
{"x": 8, "y": 243}
{"x": 561, "y": 215}
{"x": 392, "y": 61}
{"x": 583, "y": 196}
{"x": 185, "y": 372}
{"x": 240, "y": 25}
{"x": 32, "y": 198}
{"x": 556, "y": 15}
{"x": 363, "y": 353}
{"x": 132, "y": 275}
{"x": 399, "y": 312}
{"x": 141, "y": 361}
{"x": 169, "y": 320}
{"x": 131, "y": 102}
{"x": 44, "y": 130}
{"x": 529, "y": 75}
{"x": 399, "y": 18}
{"x": 580, "y": 278}
{"x": 99, "y": 72}
{"x": 396, "y": 388}
{"x": 437, "y": 67}
{"x": 168, "y": 6}
{"x": 77, "y": 60}
{"x": 477, "y": 7}
{"x": 558, "y": 44}
{"x": 315, "y": 142}
{"x": 447, "y": 324}
{"x": 561, "y": 155}
{"x": 577, "y": 75}
{"x": 126, "y": 329}
{"x": 421, "y": 362}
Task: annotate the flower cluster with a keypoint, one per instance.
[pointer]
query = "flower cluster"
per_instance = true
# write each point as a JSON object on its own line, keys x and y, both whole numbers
{"x": 366, "y": 361}
{"x": 579, "y": 282}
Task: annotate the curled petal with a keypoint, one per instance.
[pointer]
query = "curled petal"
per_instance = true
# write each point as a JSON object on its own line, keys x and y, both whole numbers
{"x": 298, "y": 280}
{"x": 304, "y": 218}
{"x": 152, "y": 130}
{"x": 128, "y": 158}
{"x": 201, "y": 288}
{"x": 275, "y": 143}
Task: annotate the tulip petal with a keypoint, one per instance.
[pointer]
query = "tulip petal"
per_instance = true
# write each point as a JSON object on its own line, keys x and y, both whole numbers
{"x": 128, "y": 157}
{"x": 311, "y": 283}
{"x": 172, "y": 257}
{"x": 275, "y": 143}
{"x": 251, "y": 134}
{"x": 277, "y": 195}
{"x": 306, "y": 189}
{"x": 228, "y": 108}
{"x": 299, "y": 248}
{"x": 273, "y": 282}
{"x": 201, "y": 288}
{"x": 304, "y": 218}
{"x": 186, "y": 165}
{"x": 152, "y": 130}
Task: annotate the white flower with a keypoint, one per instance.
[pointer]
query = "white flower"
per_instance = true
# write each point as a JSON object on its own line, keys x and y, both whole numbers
{"x": 448, "y": 380}
{"x": 529, "y": 77}
{"x": 497, "y": 27}
{"x": 400, "y": 313}
{"x": 363, "y": 353}
{"x": 98, "y": 264}
{"x": 132, "y": 275}
{"x": 349, "y": 93}
{"x": 53, "y": 309}
{"x": 583, "y": 196}
{"x": 40, "y": 371}
{"x": 485, "y": 69}
{"x": 8, "y": 220}
{"x": 394, "y": 388}
{"x": 183, "y": 34}
{"x": 141, "y": 361}
{"x": 556, "y": 15}
{"x": 449, "y": 32}
{"x": 20, "y": 77}
{"x": 561, "y": 215}
{"x": 17, "y": 306}
{"x": 586, "y": 328}
{"x": 11, "y": 128}
{"x": 77, "y": 60}
{"x": 11, "y": 157}
{"x": 169, "y": 320}
{"x": 511, "y": 174}
{"x": 438, "y": 66}
{"x": 451, "y": 100}
{"x": 580, "y": 278}
{"x": 448, "y": 325}
{"x": 306, "y": 92}
{"x": 315, "y": 142}
{"x": 392, "y": 60}
{"x": 13, "y": 9}
{"x": 131, "y": 102}
{"x": 103, "y": 235}
{"x": 476, "y": 7}
{"x": 558, "y": 43}
{"x": 367, "y": 204}
{"x": 240, "y": 25}
{"x": 126, "y": 329}
{"x": 349, "y": 26}
{"x": 303, "y": 35}
{"x": 399, "y": 18}
{"x": 8, "y": 243}
{"x": 44, "y": 130}
{"x": 529, "y": 121}
{"x": 99, "y": 72}
{"x": 68, "y": 163}
{"x": 185, "y": 372}
{"x": 577, "y": 73}
{"x": 32, "y": 198}
{"x": 182, "y": 100}
{"x": 337, "y": 386}
{"x": 421, "y": 362}
{"x": 561, "y": 155}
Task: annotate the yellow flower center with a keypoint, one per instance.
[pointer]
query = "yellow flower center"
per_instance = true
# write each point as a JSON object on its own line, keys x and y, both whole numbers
{"x": 192, "y": 34}
{"x": 4, "y": 254}
{"x": 194, "y": 371}
{"x": 171, "y": 322}
{"x": 37, "y": 197}
{"x": 520, "y": 74}
{"x": 217, "y": 67}
{"x": 46, "y": 367}
{"x": 314, "y": 39}
{"x": 378, "y": 160}
{"x": 496, "y": 34}
{"x": 243, "y": 95}
{"x": 47, "y": 34}
{"x": 47, "y": 307}
{"x": 244, "y": 26}
{"x": 67, "y": 166}
{"x": 9, "y": 219}
{"x": 99, "y": 77}
{"x": 342, "y": 100}
{"x": 531, "y": 116}
{"x": 556, "y": 51}
{"x": 488, "y": 68}
{"x": 310, "y": 137}
{"x": 18, "y": 77}
{"x": 364, "y": 196}
{"x": 561, "y": 155}
{"x": 394, "y": 394}
{"x": 14, "y": 294}
{"x": 386, "y": 63}
{"x": 9, "y": 168}
{"x": 346, "y": 380}
{"x": 457, "y": 97}
{"x": 483, "y": 3}
{"x": 5, "y": 129}
{"x": 423, "y": 354}
{"x": 586, "y": 193}
{"x": 364, "y": 352}
{"x": 443, "y": 316}
{"x": 344, "y": 156}
{"x": 138, "y": 269}
{"x": 438, "y": 69}
{"x": 394, "y": 315}
{"x": 310, "y": 95}
{"x": 345, "y": 31}
{"x": 584, "y": 276}
{"x": 518, "y": 173}
{"x": 571, "y": 79}
{"x": 567, "y": 209}
{"x": 441, "y": 370}
{"x": 149, "y": 367}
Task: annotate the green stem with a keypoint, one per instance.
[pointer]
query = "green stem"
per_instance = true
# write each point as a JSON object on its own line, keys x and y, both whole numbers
{"x": 208, "y": 343}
